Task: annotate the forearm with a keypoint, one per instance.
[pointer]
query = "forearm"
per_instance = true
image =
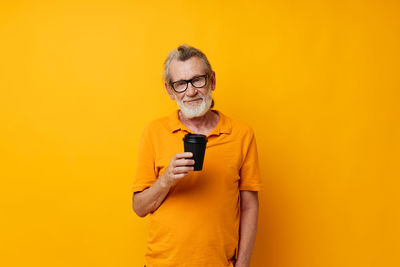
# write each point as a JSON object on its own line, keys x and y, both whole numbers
{"x": 248, "y": 230}
{"x": 151, "y": 198}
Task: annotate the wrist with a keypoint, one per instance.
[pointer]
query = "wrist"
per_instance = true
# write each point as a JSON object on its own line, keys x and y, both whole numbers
{"x": 165, "y": 182}
{"x": 242, "y": 263}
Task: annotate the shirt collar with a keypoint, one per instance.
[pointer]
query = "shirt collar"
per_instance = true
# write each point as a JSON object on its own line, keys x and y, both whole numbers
{"x": 224, "y": 125}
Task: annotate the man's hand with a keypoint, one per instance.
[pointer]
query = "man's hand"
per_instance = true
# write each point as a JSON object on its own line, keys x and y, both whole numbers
{"x": 178, "y": 168}
{"x": 151, "y": 198}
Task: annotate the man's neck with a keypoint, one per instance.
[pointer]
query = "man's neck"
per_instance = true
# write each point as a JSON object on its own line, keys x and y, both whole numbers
{"x": 202, "y": 124}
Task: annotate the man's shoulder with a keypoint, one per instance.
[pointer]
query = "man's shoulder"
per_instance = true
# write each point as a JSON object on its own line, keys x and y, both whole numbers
{"x": 239, "y": 126}
{"x": 158, "y": 124}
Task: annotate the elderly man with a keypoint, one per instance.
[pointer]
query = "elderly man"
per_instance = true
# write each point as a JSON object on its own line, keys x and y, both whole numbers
{"x": 197, "y": 218}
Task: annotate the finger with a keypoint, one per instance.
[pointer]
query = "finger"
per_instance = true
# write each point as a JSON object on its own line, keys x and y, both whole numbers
{"x": 180, "y": 175}
{"x": 178, "y": 170}
{"x": 183, "y": 162}
{"x": 184, "y": 155}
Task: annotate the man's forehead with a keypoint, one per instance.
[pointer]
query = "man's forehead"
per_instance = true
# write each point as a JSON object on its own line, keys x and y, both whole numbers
{"x": 186, "y": 69}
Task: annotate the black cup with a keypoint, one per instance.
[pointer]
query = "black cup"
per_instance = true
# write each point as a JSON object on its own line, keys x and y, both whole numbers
{"x": 196, "y": 143}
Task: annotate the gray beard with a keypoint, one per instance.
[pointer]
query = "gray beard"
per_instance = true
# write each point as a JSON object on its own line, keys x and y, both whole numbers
{"x": 198, "y": 110}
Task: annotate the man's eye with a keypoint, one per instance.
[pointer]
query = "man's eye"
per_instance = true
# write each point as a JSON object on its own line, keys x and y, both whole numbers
{"x": 180, "y": 83}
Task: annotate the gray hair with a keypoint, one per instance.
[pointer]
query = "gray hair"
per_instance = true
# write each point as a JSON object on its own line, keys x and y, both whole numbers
{"x": 183, "y": 53}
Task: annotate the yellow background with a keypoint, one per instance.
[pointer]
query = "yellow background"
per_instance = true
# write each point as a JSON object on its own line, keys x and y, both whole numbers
{"x": 318, "y": 81}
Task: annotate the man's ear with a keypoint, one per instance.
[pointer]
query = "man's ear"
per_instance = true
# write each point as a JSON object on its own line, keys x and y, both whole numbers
{"x": 212, "y": 80}
{"x": 169, "y": 91}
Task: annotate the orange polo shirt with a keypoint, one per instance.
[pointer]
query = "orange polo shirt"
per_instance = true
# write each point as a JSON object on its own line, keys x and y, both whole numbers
{"x": 198, "y": 222}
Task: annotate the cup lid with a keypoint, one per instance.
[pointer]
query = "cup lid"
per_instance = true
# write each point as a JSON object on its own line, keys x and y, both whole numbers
{"x": 195, "y": 138}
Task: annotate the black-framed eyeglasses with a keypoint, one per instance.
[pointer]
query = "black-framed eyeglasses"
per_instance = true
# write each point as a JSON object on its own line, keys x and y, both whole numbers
{"x": 182, "y": 85}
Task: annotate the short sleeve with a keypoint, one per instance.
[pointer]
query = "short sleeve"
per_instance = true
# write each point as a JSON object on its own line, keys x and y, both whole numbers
{"x": 250, "y": 177}
{"x": 145, "y": 173}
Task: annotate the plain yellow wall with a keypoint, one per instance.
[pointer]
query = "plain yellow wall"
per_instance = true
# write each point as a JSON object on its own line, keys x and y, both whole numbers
{"x": 318, "y": 81}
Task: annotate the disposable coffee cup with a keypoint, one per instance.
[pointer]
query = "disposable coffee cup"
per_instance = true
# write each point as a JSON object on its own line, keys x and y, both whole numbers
{"x": 196, "y": 143}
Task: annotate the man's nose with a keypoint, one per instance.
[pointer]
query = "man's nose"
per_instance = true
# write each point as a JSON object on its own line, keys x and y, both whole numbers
{"x": 191, "y": 90}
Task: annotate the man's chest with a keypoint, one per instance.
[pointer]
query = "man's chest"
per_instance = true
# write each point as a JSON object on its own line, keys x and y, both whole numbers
{"x": 223, "y": 156}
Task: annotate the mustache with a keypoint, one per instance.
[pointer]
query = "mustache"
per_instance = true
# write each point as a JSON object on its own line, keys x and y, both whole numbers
{"x": 186, "y": 98}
